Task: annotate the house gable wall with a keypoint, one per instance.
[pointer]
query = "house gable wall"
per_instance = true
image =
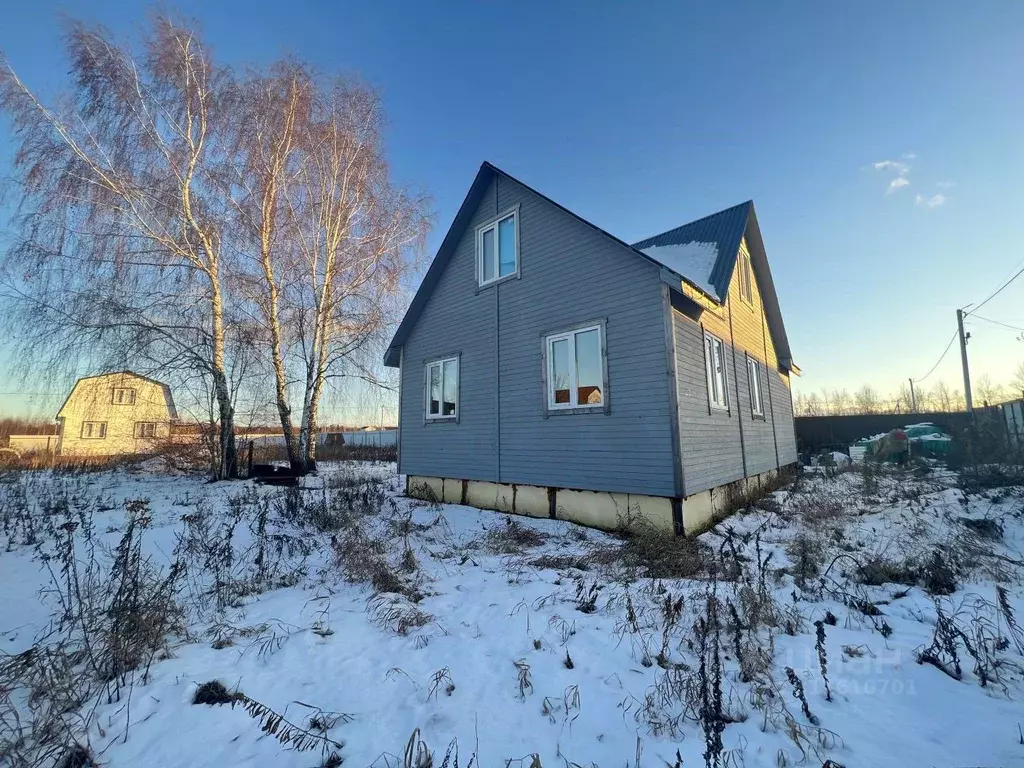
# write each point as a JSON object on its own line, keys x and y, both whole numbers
{"x": 570, "y": 273}
{"x": 92, "y": 400}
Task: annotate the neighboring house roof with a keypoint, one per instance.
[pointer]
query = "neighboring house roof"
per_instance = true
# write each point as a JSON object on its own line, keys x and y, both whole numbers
{"x": 702, "y": 253}
{"x": 166, "y": 390}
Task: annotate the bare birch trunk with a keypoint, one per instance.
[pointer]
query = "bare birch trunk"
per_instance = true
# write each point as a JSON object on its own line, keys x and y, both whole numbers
{"x": 228, "y": 451}
{"x": 284, "y": 411}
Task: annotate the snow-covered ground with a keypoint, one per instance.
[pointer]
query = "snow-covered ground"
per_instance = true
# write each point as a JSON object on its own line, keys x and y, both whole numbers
{"x": 504, "y": 638}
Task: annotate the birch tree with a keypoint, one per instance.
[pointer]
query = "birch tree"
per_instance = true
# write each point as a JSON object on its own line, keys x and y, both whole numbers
{"x": 334, "y": 235}
{"x": 121, "y": 241}
{"x": 272, "y": 112}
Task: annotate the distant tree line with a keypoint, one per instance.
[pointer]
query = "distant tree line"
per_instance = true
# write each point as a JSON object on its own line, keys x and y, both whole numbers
{"x": 25, "y": 426}
{"x": 939, "y": 397}
{"x": 234, "y": 231}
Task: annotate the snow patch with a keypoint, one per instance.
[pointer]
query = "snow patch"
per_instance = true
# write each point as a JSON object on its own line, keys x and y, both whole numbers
{"x": 694, "y": 261}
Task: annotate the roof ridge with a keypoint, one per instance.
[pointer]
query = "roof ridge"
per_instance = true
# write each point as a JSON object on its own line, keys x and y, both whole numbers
{"x": 695, "y": 221}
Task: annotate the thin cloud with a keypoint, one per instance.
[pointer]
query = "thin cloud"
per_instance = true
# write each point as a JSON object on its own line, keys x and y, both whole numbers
{"x": 945, "y": 184}
{"x": 934, "y": 201}
{"x": 892, "y": 165}
{"x": 909, "y": 155}
{"x": 898, "y": 183}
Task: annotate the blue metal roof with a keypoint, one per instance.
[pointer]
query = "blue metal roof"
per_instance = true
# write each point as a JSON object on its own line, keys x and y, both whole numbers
{"x": 724, "y": 229}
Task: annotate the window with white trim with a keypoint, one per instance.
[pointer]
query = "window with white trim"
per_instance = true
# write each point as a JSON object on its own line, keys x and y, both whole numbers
{"x": 146, "y": 429}
{"x": 746, "y": 289}
{"x": 94, "y": 430}
{"x": 575, "y": 369}
{"x": 443, "y": 389}
{"x": 714, "y": 360}
{"x": 497, "y": 249}
{"x": 756, "y": 395}
{"x": 123, "y": 396}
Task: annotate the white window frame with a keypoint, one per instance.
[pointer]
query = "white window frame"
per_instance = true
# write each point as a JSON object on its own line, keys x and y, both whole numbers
{"x": 756, "y": 388}
{"x": 141, "y": 429}
{"x": 746, "y": 280}
{"x": 100, "y": 426}
{"x": 715, "y": 347}
{"x": 440, "y": 415}
{"x": 492, "y": 226}
{"x": 549, "y": 364}
{"x": 127, "y": 393}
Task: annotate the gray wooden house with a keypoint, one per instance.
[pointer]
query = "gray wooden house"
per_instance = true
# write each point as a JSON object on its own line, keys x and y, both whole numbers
{"x": 550, "y": 369}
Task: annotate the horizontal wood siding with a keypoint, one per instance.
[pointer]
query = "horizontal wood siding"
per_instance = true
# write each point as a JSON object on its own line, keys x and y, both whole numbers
{"x": 709, "y": 441}
{"x": 751, "y": 338}
{"x": 570, "y": 273}
{"x": 758, "y": 439}
{"x": 785, "y": 429}
{"x": 456, "y": 320}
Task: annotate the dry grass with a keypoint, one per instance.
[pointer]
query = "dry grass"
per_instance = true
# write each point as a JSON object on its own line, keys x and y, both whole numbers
{"x": 397, "y": 613}
{"x": 655, "y": 554}
{"x": 560, "y": 562}
{"x": 513, "y": 538}
{"x": 362, "y": 558}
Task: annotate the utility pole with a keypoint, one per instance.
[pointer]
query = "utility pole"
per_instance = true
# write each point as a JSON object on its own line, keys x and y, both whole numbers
{"x": 963, "y": 359}
{"x": 913, "y": 397}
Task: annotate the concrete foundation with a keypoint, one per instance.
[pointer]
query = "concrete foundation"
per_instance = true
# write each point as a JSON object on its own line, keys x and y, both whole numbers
{"x": 598, "y": 509}
{"x": 614, "y": 511}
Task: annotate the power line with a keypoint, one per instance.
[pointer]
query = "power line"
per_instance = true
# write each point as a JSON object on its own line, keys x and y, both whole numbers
{"x": 941, "y": 357}
{"x": 997, "y": 291}
{"x": 998, "y": 322}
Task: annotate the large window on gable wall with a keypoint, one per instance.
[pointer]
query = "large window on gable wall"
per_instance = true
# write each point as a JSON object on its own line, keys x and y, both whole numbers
{"x": 575, "y": 369}
{"x": 714, "y": 361}
{"x": 497, "y": 249}
{"x": 442, "y": 396}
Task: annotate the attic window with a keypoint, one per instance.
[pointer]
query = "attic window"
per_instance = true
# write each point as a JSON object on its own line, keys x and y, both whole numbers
{"x": 746, "y": 289}
{"x": 123, "y": 396}
{"x": 497, "y": 249}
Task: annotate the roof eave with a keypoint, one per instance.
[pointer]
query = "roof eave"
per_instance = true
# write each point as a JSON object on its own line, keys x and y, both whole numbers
{"x": 440, "y": 261}
{"x": 392, "y": 356}
{"x": 676, "y": 281}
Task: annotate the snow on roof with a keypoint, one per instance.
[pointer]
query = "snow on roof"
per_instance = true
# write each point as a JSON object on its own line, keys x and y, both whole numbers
{"x": 693, "y": 260}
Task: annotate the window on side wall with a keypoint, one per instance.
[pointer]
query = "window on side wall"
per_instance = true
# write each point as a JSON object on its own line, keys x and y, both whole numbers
{"x": 94, "y": 430}
{"x": 756, "y": 393}
{"x": 123, "y": 396}
{"x": 575, "y": 369}
{"x": 745, "y": 277}
{"x": 497, "y": 249}
{"x": 714, "y": 361}
{"x": 442, "y": 396}
{"x": 146, "y": 429}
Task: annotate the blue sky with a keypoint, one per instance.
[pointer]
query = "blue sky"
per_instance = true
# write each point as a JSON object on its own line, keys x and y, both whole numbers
{"x": 642, "y": 118}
